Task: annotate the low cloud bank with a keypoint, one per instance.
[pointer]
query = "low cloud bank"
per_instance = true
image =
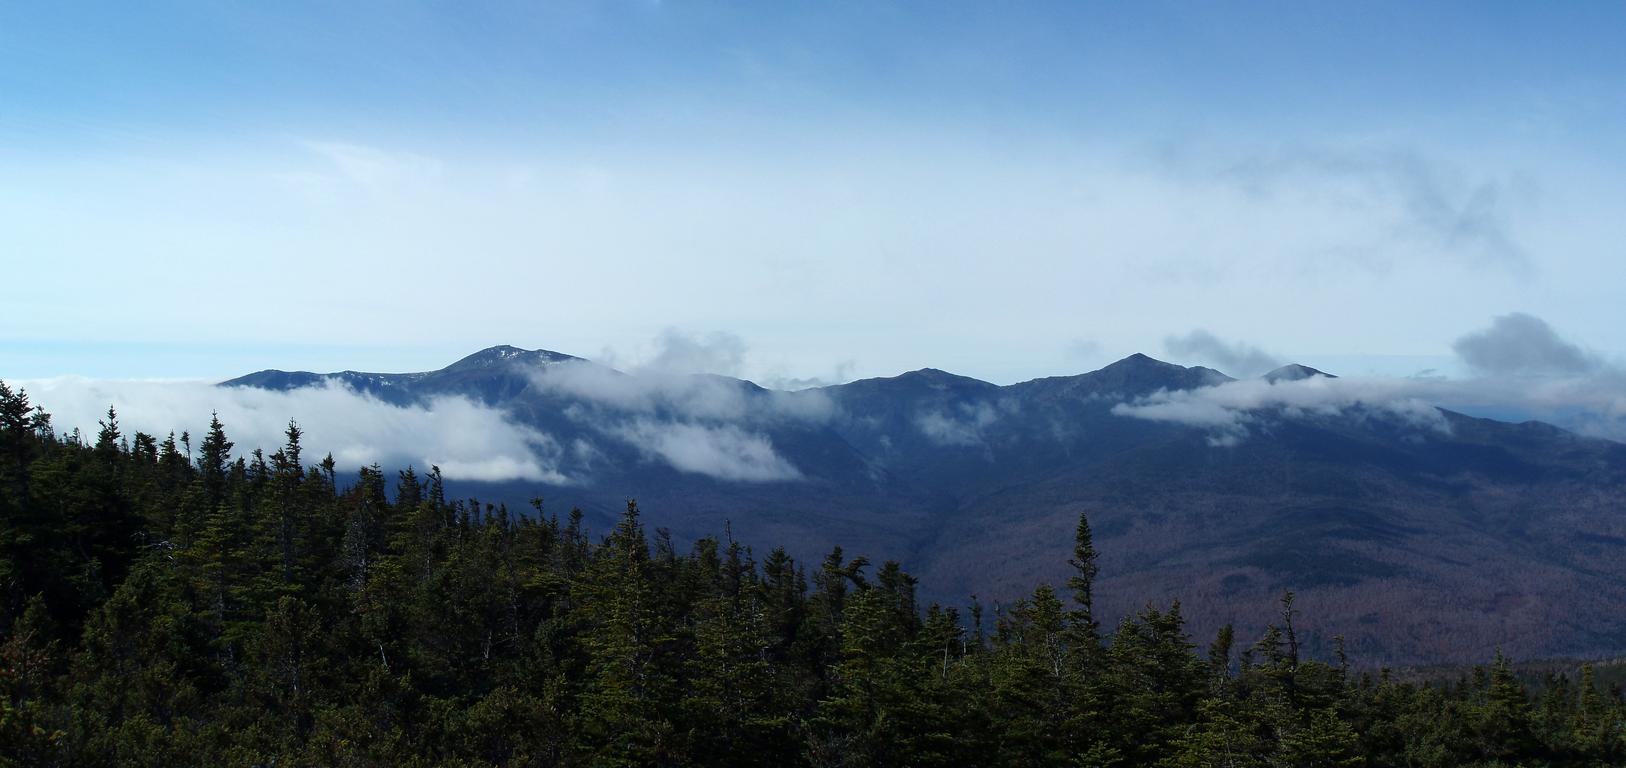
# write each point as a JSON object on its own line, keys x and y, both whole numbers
{"x": 841, "y": 373}
{"x": 680, "y": 395}
{"x": 698, "y": 423}
{"x": 667, "y": 411}
{"x": 467, "y": 440}
{"x": 1231, "y": 409}
{"x": 723, "y": 451}
{"x": 1523, "y": 369}
{"x": 720, "y": 427}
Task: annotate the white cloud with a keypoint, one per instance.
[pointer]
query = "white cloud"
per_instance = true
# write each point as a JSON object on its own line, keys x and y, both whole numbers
{"x": 698, "y": 423}
{"x": 1594, "y": 406}
{"x": 841, "y": 373}
{"x": 467, "y": 440}
{"x": 1227, "y": 410}
{"x": 689, "y": 396}
{"x": 1522, "y": 362}
{"x": 1525, "y": 370}
{"x": 960, "y": 426}
{"x": 676, "y": 352}
{"x": 724, "y": 451}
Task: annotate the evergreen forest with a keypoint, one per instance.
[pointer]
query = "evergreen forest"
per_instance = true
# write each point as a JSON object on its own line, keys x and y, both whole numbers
{"x": 174, "y": 601}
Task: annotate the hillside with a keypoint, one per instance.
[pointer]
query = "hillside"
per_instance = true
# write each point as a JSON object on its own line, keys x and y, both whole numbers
{"x": 1422, "y": 535}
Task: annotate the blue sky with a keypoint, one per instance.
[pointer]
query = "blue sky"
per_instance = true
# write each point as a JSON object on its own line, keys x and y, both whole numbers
{"x": 1006, "y": 190}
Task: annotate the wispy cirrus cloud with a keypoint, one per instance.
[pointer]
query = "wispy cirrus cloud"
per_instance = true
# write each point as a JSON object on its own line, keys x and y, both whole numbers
{"x": 1405, "y": 196}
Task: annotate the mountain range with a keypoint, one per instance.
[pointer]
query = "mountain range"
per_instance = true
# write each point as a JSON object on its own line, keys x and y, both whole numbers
{"x": 1418, "y": 534}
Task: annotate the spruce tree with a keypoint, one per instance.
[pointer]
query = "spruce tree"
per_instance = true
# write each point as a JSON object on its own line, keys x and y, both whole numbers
{"x": 623, "y": 718}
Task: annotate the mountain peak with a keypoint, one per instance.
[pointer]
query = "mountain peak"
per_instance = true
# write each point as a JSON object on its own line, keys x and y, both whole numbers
{"x": 939, "y": 378}
{"x": 1144, "y": 368}
{"x": 503, "y": 354}
{"x": 1295, "y": 372}
{"x": 1139, "y": 360}
{"x": 1134, "y": 376}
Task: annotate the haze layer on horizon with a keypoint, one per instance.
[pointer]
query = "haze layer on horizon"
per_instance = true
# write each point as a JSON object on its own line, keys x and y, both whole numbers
{"x": 829, "y": 191}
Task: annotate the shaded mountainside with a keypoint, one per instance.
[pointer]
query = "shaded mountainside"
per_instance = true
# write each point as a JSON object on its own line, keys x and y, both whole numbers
{"x": 1418, "y": 543}
{"x": 163, "y": 607}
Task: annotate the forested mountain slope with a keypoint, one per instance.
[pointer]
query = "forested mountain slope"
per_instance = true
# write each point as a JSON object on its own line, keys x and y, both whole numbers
{"x": 1403, "y": 526}
{"x": 241, "y": 607}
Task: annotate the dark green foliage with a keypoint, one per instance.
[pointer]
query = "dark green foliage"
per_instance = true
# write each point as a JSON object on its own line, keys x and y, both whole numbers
{"x": 162, "y": 609}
